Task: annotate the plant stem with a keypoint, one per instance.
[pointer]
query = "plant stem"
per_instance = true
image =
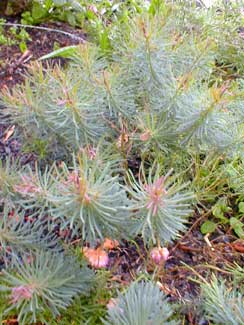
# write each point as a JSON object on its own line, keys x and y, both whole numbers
{"x": 44, "y": 28}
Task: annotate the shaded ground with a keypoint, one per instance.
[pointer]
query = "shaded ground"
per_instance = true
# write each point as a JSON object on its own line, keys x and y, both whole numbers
{"x": 13, "y": 63}
{"x": 192, "y": 249}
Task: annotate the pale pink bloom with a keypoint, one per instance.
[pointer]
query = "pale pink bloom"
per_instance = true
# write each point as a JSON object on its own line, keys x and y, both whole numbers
{"x": 73, "y": 177}
{"x": 30, "y": 259}
{"x": 159, "y": 254}
{"x": 91, "y": 152}
{"x": 61, "y": 102}
{"x": 80, "y": 185}
{"x": 21, "y": 292}
{"x": 93, "y": 9}
{"x": 145, "y": 136}
{"x": 103, "y": 11}
{"x": 28, "y": 186}
{"x": 87, "y": 198}
{"x": 97, "y": 258}
{"x": 155, "y": 193}
{"x": 113, "y": 302}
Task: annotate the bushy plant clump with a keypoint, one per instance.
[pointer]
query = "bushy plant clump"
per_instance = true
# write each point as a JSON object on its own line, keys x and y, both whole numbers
{"x": 158, "y": 86}
{"x": 222, "y": 305}
{"x": 108, "y": 129}
{"x": 20, "y": 234}
{"x": 141, "y": 304}
{"x": 90, "y": 200}
{"x": 154, "y": 200}
{"x": 44, "y": 280}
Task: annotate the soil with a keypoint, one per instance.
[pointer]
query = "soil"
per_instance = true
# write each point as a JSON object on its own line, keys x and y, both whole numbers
{"x": 14, "y": 63}
{"x": 191, "y": 250}
{"x": 126, "y": 261}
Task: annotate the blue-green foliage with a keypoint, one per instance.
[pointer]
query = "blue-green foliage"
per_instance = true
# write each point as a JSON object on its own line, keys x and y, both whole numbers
{"x": 142, "y": 304}
{"x": 43, "y": 281}
{"x": 222, "y": 305}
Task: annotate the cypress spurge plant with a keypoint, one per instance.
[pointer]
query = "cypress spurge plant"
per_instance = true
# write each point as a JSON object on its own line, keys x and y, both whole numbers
{"x": 33, "y": 189}
{"x": 89, "y": 199}
{"x": 172, "y": 86}
{"x": 207, "y": 123}
{"x": 222, "y": 305}
{"x": 9, "y": 176}
{"x": 112, "y": 94}
{"x": 160, "y": 203}
{"x": 86, "y": 198}
{"x": 155, "y": 132}
{"x": 155, "y": 96}
{"x": 44, "y": 281}
{"x": 142, "y": 304}
{"x": 157, "y": 82}
{"x": 18, "y": 234}
{"x": 238, "y": 275}
{"x": 58, "y": 103}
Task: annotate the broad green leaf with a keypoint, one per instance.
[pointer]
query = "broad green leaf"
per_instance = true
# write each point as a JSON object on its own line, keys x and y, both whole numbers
{"x": 22, "y": 46}
{"x": 64, "y": 52}
{"x": 208, "y": 227}
{"x": 48, "y": 4}
{"x": 71, "y": 18}
{"x": 218, "y": 213}
{"x": 38, "y": 11}
{"x": 241, "y": 207}
{"x": 237, "y": 226}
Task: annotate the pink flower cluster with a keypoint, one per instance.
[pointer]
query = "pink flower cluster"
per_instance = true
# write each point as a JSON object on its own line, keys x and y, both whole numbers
{"x": 159, "y": 254}
{"x": 155, "y": 193}
{"x": 80, "y": 185}
{"x": 21, "y": 292}
{"x": 97, "y": 257}
{"x": 28, "y": 186}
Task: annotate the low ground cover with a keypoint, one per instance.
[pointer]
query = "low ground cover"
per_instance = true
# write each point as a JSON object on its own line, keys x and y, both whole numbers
{"x": 121, "y": 175}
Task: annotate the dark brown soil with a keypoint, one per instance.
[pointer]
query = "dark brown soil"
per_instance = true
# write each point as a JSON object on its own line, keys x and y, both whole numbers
{"x": 191, "y": 250}
{"x": 13, "y": 63}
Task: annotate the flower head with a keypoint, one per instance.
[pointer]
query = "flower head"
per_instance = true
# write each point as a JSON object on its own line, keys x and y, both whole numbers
{"x": 159, "y": 254}
{"x": 156, "y": 192}
{"x": 27, "y": 186}
{"x": 21, "y": 292}
{"x": 91, "y": 152}
{"x": 98, "y": 257}
{"x": 112, "y": 303}
{"x": 110, "y": 244}
{"x": 93, "y": 8}
{"x": 80, "y": 185}
{"x": 145, "y": 136}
